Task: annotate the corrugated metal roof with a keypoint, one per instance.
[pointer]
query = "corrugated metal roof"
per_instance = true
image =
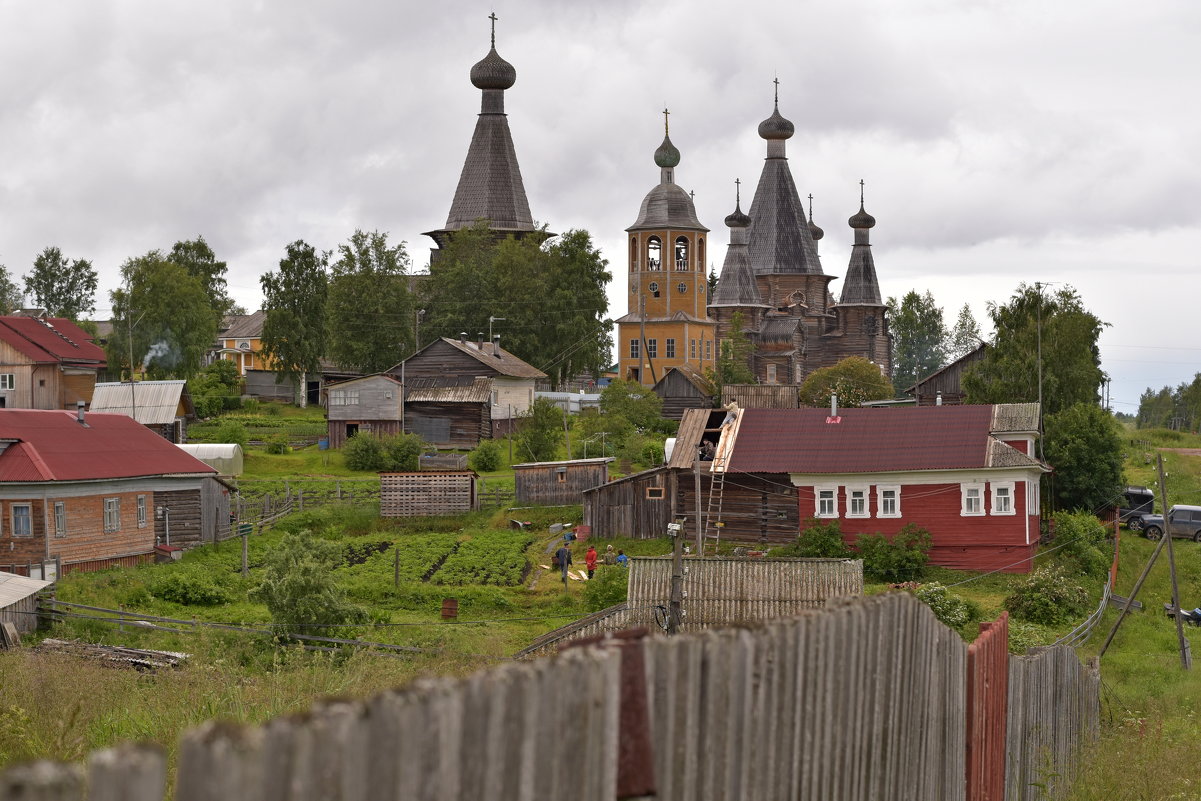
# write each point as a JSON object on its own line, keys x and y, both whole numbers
{"x": 863, "y": 440}
{"x": 597, "y": 460}
{"x": 53, "y": 446}
{"x": 55, "y": 339}
{"x": 15, "y": 588}
{"x": 148, "y": 402}
{"x": 452, "y": 390}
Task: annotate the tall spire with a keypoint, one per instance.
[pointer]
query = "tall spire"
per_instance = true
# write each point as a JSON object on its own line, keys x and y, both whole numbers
{"x": 736, "y": 286}
{"x": 861, "y": 286}
{"x": 780, "y": 240}
{"x": 490, "y": 185}
{"x": 667, "y": 205}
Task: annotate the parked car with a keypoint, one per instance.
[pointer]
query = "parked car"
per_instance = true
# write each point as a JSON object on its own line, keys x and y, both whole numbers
{"x": 1185, "y": 522}
{"x": 1136, "y": 502}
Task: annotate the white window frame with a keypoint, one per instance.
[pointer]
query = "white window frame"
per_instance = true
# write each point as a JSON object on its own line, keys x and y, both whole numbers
{"x": 1032, "y": 499}
{"x": 771, "y": 374}
{"x": 862, "y": 494}
{"x": 141, "y": 511}
{"x": 883, "y": 502}
{"x": 635, "y": 349}
{"x": 8, "y": 381}
{"x": 995, "y": 487}
{"x": 819, "y": 503}
{"x": 112, "y": 515}
{"x": 652, "y": 348}
{"x": 669, "y": 348}
{"x": 60, "y": 519}
{"x": 27, "y": 518}
{"x": 964, "y": 495}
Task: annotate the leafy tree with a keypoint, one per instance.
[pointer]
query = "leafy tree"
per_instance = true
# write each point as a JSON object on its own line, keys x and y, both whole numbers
{"x": 712, "y": 281}
{"x": 299, "y": 588}
{"x": 369, "y": 306}
{"x": 364, "y": 451}
{"x": 486, "y": 458}
{"x": 631, "y": 401}
{"x": 294, "y": 328}
{"x": 11, "y": 298}
{"x": 1178, "y": 408}
{"x": 734, "y": 356}
{"x": 62, "y": 287}
{"x": 232, "y": 432}
{"x": 855, "y": 380}
{"x": 402, "y": 452}
{"x": 603, "y": 433}
{"x": 965, "y": 335}
{"x": 216, "y": 388}
{"x": 919, "y": 335}
{"x": 1083, "y": 445}
{"x": 540, "y": 431}
{"x": 168, "y": 312}
{"x": 901, "y": 559}
{"x": 550, "y": 295}
{"x": 819, "y": 539}
{"x": 1071, "y": 358}
{"x": 198, "y": 259}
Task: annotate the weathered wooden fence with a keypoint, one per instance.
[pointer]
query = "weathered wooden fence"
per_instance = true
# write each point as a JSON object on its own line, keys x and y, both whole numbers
{"x": 987, "y": 701}
{"x": 865, "y": 699}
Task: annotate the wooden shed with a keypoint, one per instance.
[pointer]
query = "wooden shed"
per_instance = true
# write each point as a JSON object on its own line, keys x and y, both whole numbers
{"x": 945, "y": 386}
{"x": 762, "y": 396}
{"x": 638, "y": 505}
{"x": 448, "y": 412}
{"x": 427, "y": 493}
{"x": 683, "y": 387}
{"x": 19, "y": 601}
{"x": 560, "y": 483}
{"x": 371, "y": 404}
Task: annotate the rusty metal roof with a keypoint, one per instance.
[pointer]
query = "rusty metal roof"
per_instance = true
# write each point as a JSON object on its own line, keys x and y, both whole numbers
{"x": 451, "y": 390}
{"x": 870, "y": 441}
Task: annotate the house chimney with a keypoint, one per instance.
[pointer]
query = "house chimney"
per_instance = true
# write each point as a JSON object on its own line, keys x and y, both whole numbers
{"x": 938, "y": 398}
{"x": 833, "y": 405}
{"x": 479, "y": 341}
{"x": 496, "y": 345}
{"x": 79, "y": 412}
{"x": 462, "y": 337}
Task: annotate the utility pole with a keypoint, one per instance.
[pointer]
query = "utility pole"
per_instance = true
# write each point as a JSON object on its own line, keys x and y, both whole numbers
{"x": 1186, "y": 657}
{"x": 1039, "y": 333}
{"x": 675, "y": 602}
{"x": 696, "y": 483}
{"x": 646, "y": 354}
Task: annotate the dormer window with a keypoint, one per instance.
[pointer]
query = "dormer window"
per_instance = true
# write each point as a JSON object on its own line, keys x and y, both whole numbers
{"x": 681, "y": 253}
{"x": 654, "y": 252}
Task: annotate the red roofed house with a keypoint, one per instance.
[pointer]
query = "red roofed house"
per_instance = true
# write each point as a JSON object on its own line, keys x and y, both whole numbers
{"x": 967, "y": 474}
{"x": 46, "y": 363}
{"x": 98, "y": 490}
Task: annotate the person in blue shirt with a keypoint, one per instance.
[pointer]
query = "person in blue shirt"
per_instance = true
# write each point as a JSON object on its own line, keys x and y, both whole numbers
{"x": 622, "y": 559}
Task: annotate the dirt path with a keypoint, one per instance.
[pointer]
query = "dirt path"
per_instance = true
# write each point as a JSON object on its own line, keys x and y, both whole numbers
{"x": 1185, "y": 451}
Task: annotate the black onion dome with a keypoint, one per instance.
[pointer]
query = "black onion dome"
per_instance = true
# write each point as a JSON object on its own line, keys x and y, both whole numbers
{"x": 862, "y": 219}
{"x": 493, "y": 72}
{"x": 667, "y": 155}
{"x": 775, "y": 126}
{"x": 816, "y": 232}
{"x": 738, "y": 219}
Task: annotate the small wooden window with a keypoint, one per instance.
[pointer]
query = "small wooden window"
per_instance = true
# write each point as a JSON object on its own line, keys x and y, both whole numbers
{"x": 60, "y": 519}
{"x": 561, "y": 475}
{"x": 655, "y": 493}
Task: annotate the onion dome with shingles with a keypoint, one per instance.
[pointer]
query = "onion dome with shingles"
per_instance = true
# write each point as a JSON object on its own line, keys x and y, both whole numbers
{"x": 667, "y": 155}
{"x": 667, "y": 205}
{"x": 862, "y": 219}
{"x": 775, "y": 126}
{"x": 738, "y": 218}
{"x": 493, "y": 72}
{"x": 736, "y": 286}
{"x": 816, "y": 232}
{"x": 861, "y": 286}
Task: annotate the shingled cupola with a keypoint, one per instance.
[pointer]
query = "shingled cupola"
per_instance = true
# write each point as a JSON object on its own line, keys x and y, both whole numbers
{"x": 861, "y": 313}
{"x": 736, "y": 289}
{"x": 490, "y": 185}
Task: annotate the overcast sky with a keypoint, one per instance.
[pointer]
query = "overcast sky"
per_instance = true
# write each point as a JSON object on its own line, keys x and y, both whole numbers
{"x": 1001, "y": 141}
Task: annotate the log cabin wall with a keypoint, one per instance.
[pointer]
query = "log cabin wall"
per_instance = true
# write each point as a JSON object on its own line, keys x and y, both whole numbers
{"x": 756, "y": 508}
{"x": 558, "y": 483}
{"x": 449, "y": 425}
{"x": 439, "y": 360}
{"x": 638, "y": 505}
{"x": 186, "y": 517}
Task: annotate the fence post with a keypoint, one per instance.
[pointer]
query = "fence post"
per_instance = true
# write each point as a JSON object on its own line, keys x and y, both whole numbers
{"x": 245, "y": 565}
{"x": 300, "y": 497}
{"x": 339, "y": 489}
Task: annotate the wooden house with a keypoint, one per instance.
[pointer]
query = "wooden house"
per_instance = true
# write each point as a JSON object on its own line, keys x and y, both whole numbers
{"x": 99, "y": 490}
{"x": 945, "y": 386}
{"x": 371, "y": 404}
{"x": 512, "y": 382}
{"x": 638, "y": 505}
{"x": 683, "y": 387}
{"x": 240, "y": 341}
{"x": 449, "y": 412}
{"x": 559, "y": 483}
{"x": 165, "y": 407}
{"x": 448, "y": 492}
{"x": 47, "y": 363}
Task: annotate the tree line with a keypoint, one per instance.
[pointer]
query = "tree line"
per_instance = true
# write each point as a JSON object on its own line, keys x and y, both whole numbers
{"x": 1177, "y": 407}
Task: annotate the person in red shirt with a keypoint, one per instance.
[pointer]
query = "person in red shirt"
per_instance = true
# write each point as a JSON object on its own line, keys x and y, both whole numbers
{"x": 590, "y": 560}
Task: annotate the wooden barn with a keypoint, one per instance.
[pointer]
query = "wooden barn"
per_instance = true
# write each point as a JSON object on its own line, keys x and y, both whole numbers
{"x": 19, "y": 601}
{"x": 449, "y": 492}
{"x": 448, "y": 412}
{"x": 638, "y": 505}
{"x": 559, "y": 483}
{"x": 683, "y": 387}
{"x": 46, "y": 363}
{"x": 371, "y": 404}
{"x": 945, "y": 386}
{"x": 762, "y": 396}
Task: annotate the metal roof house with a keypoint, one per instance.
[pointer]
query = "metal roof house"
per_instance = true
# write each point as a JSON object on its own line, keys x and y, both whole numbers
{"x": 164, "y": 407}
{"x": 49, "y": 363}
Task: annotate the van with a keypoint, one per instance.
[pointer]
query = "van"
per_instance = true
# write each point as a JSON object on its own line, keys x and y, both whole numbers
{"x": 1136, "y": 502}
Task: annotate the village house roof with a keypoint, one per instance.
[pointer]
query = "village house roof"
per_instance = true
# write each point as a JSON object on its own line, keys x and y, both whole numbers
{"x": 565, "y": 463}
{"x": 149, "y": 402}
{"x": 494, "y": 357}
{"x": 55, "y": 446}
{"x": 690, "y": 374}
{"x": 449, "y": 389}
{"x": 52, "y": 340}
{"x": 871, "y": 441}
{"x": 245, "y": 326}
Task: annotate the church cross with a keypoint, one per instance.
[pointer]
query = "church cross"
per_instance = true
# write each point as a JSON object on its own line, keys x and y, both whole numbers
{"x": 494, "y": 18}
{"x": 737, "y": 191}
{"x": 776, "y": 81}
{"x": 665, "y": 113}
{"x": 860, "y": 191}
{"x": 810, "y": 207}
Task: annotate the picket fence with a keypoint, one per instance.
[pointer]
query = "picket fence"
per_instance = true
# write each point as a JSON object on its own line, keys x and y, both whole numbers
{"x": 864, "y": 699}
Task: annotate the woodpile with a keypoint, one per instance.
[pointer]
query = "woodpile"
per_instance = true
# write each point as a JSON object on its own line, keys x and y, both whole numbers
{"x": 115, "y": 655}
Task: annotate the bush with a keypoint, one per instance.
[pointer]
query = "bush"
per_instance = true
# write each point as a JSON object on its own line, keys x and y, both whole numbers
{"x": 486, "y": 458}
{"x": 1082, "y": 541}
{"x": 902, "y": 559}
{"x": 189, "y": 589}
{"x": 607, "y": 587}
{"x": 299, "y": 587}
{"x": 278, "y": 443}
{"x": 251, "y": 406}
{"x": 273, "y": 409}
{"x": 1048, "y": 596}
{"x": 949, "y": 608}
{"x": 402, "y": 452}
{"x": 364, "y": 452}
{"x": 231, "y": 431}
{"x": 819, "y": 540}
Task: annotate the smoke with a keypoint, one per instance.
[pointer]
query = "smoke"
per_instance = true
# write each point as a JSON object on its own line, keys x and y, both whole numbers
{"x": 160, "y": 352}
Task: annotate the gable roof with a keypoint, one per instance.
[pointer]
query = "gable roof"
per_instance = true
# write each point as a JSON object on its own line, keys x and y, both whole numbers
{"x": 449, "y": 389}
{"x": 688, "y": 373}
{"x": 51, "y": 340}
{"x": 871, "y": 441}
{"x": 53, "y": 446}
{"x": 245, "y": 326}
{"x": 496, "y": 358}
{"x": 149, "y": 402}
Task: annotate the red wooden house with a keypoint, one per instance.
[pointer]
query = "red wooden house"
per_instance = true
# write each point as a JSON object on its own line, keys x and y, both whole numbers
{"x": 967, "y": 474}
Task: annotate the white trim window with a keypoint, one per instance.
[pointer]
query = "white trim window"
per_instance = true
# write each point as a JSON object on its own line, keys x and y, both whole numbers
{"x": 1002, "y": 498}
{"x": 1032, "y": 497}
{"x": 60, "y": 519}
{"x": 971, "y": 500}
{"x": 857, "y": 502}
{"x": 8, "y": 381}
{"x": 888, "y": 500}
{"x": 22, "y": 520}
{"x": 826, "y": 501}
{"x": 343, "y": 397}
{"x": 141, "y": 511}
{"x": 112, "y": 514}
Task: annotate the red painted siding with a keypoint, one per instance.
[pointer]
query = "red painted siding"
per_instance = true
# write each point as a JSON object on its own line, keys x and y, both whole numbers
{"x": 986, "y": 542}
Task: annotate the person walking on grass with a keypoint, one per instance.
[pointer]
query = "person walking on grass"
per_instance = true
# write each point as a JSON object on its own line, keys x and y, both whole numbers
{"x": 563, "y": 555}
{"x": 622, "y": 559}
{"x": 590, "y": 561}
